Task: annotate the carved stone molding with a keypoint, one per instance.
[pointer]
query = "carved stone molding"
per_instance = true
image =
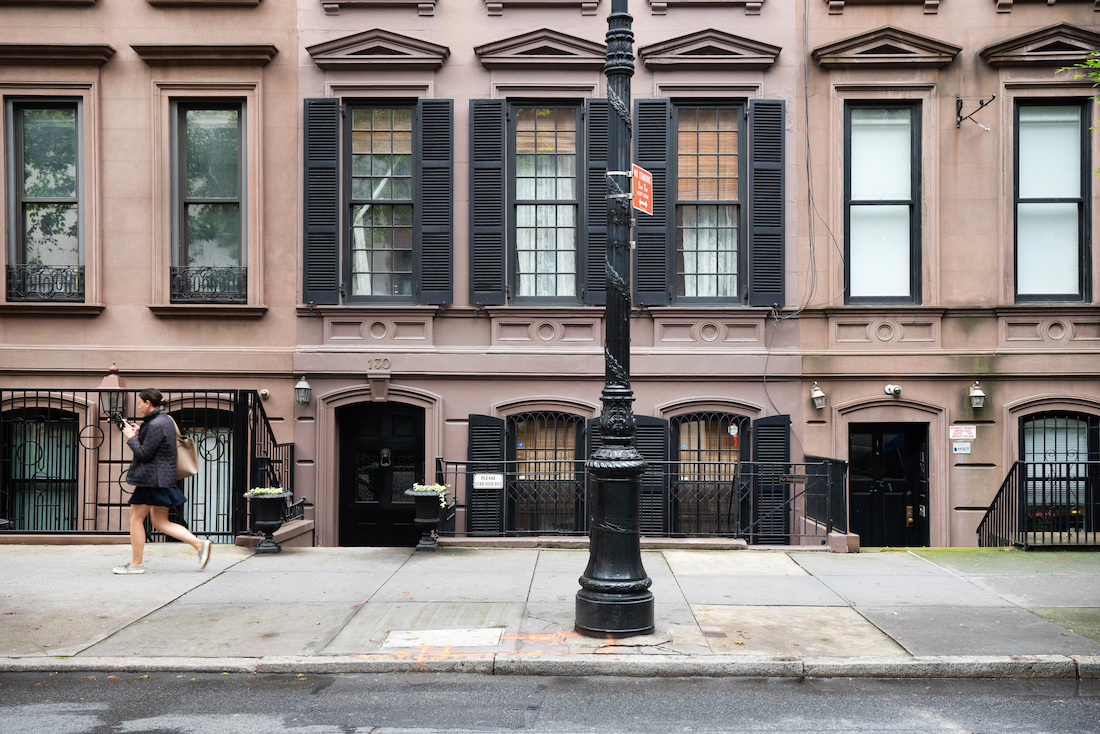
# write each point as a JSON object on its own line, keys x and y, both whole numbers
{"x": 752, "y": 7}
{"x": 1060, "y": 332}
{"x": 378, "y": 49}
{"x": 384, "y": 328}
{"x": 542, "y": 49}
{"x": 423, "y": 7}
{"x": 55, "y": 54}
{"x": 206, "y": 3}
{"x": 836, "y": 7}
{"x": 1056, "y": 45}
{"x": 867, "y": 331}
{"x": 1005, "y": 6}
{"x": 219, "y": 55}
{"x": 886, "y": 47}
{"x": 45, "y": 3}
{"x": 496, "y": 7}
{"x": 550, "y": 331}
{"x": 709, "y": 49}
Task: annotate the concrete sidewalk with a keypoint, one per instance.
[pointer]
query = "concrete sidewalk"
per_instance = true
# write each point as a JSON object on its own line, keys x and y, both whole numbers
{"x": 924, "y": 613}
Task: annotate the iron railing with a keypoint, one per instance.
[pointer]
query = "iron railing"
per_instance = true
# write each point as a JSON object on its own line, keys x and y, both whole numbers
{"x": 765, "y": 503}
{"x": 63, "y": 464}
{"x": 46, "y": 283}
{"x": 1045, "y": 503}
{"x": 209, "y": 285}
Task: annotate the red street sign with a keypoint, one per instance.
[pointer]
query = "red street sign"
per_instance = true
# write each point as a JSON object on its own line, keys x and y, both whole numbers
{"x": 642, "y": 188}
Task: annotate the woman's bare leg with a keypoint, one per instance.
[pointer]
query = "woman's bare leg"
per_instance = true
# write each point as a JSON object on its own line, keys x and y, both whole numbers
{"x": 137, "y": 533}
{"x": 166, "y": 526}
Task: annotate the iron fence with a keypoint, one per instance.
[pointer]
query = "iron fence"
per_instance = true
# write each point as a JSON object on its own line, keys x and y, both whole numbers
{"x": 1045, "y": 503}
{"x": 209, "y": 285}
{"x": 763, "y": 502}
{"x": 63, "y": 463}
{"x": 45, "y": 283}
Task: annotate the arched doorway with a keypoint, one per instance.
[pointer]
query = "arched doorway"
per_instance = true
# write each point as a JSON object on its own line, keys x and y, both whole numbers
{"x": 381, "y": 455}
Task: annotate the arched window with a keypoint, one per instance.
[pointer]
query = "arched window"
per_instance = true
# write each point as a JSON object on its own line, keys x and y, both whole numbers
{"x": 706, "y": 449}
{"x": 545, "y": 472}
{"x": 1060, "y": 450}
{"x": 39, "y": 490}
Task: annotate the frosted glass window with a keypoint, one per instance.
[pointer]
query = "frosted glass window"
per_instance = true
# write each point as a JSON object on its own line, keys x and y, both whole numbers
{"x": 881, "y": 154}
{"x": 879, "y": 251}
{"x": 1047, "y": 258}
{"x": 1050, "y": 152}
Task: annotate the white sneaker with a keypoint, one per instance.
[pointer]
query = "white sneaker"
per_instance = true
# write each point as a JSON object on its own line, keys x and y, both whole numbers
{"x": 204, "y": 553}
{"x": 127, "y": 569}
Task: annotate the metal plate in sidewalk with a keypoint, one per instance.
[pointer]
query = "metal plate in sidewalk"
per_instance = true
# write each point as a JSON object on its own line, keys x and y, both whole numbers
{"x": 444, "y": 638}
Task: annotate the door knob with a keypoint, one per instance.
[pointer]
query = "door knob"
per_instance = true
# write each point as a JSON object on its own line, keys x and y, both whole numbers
{"x": 386, "y": 458}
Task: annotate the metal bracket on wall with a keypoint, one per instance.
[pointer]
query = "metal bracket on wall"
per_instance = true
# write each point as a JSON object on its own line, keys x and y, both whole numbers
{"x": 959, "y": 112}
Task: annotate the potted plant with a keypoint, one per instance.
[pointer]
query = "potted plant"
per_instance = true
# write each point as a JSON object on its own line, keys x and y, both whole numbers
{"x": 429, "y": 498}
{"x": 268, "y": 505}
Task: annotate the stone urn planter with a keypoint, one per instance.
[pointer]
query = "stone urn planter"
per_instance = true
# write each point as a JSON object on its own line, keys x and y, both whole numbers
{"x": 268, "y": 509}
{"x": 429, "y": 500}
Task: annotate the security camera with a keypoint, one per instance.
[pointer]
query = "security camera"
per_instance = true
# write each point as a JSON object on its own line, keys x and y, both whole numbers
{"x": 264, "y": 394}
{"x": 894, "y": 390}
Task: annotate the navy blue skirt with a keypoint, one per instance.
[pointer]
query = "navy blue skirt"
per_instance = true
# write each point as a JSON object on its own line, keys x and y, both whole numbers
{"x": 160, "y": 496}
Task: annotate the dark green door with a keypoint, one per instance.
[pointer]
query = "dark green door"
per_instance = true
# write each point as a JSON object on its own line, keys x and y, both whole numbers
{"x": 381, "y": 455}
{"x": 888, "y": 483}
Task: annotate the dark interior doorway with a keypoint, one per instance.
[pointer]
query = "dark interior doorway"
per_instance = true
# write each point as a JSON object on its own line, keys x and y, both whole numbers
{"x": 381, "y": 455}
{"x": 888, "y": 483}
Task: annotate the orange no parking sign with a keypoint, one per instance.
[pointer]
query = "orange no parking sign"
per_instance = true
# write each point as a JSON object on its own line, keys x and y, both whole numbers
{"x": 642, "y": 188}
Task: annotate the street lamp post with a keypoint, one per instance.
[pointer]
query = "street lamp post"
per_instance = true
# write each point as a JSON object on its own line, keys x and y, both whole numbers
{"x": 614, "y": 599}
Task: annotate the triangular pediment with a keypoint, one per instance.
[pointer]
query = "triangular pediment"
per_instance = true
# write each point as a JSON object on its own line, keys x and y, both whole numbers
{"x": 709, "y": 49}
{"x": 543, "y": 48}
{"x": 886, "y": 47}
{"x": 378, "y": 49}
{"x": 1056, "y": 45}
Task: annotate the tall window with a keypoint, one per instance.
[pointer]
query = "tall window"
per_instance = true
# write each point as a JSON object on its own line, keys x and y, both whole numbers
{"x": 882, "y": 204}
{"x": 1052, "y": 181}
{"x": 381, "y": 203}
{"x": 209, "y": 256}
{"x": 46, "y": 256}
{"x": 546, "y": 201}
{"x": 546, "y": 480}
{"x": 708, "y": 196}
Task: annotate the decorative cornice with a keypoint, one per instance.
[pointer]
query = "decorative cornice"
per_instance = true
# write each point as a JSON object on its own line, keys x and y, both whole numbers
{"x": 220, "y": 55}
{"x": 206, "y": 3}
{"x": 55, "y": 54}
{"x": 47, "y": 2}
{"x": 423, "y": 7}
{"x": 752, "y": 7}
{"x": 709, "y": 49}
{"x": 1005, "y": 6}
{"x": 496, "y": 7}
{"x": 931, "y": 7}
{"x": 1056, "y": 45}
{"x": 544, "y": 49}
{"x": 886, "y": 47}
{"x": 378, "y": 49}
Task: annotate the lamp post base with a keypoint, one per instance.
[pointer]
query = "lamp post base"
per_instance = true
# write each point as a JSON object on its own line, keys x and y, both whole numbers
{"x": 614, "y": 615}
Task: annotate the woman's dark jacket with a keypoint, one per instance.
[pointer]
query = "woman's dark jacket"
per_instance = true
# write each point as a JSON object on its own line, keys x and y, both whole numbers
{"x": 154, "y": 447}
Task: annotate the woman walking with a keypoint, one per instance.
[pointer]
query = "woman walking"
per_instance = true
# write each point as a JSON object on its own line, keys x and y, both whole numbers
{"x": 153, "y": 474}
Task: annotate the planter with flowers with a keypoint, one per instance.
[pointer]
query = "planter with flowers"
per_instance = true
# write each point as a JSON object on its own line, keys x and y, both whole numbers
{"x": 429, "y": 500}
{"x": 268, "y": 505}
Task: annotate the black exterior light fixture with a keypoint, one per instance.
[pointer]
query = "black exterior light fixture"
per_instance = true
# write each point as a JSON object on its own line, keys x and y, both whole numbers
{"x": 614, "y": 599}
{"x": 302, "y": 391}
{"x": 977, "y": 396}
{"x": 112, "y": 396}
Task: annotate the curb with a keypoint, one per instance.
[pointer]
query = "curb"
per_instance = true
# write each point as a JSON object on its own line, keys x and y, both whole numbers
{"x": 641, "y": 666}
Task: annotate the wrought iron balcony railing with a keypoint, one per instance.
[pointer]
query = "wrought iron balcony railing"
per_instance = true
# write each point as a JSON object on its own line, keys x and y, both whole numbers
{"x": 209, "y": 285}
{"x": 46, "y": 283}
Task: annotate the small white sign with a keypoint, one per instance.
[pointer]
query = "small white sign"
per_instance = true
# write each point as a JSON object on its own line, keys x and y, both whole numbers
{"x": 488, "y": 481}
{"x": 962, "y": 433}
{"x": 960, "y": 447}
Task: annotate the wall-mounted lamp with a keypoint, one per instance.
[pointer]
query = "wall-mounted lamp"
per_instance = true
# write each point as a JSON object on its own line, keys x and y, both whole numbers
{"x": 977, "y": 397}
{"x": 894, "y": 390}
{"x": 818, "y": 396}
{"x": 112, "y": 398}
{"x": 302, "y": 391}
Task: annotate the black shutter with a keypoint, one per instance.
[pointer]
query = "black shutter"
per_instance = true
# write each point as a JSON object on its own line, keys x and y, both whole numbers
{"x": 771, "y": 456}
{"x": 321, "y": 261}
{"x": 651, "y": 440}
{"x": 487, "y": 201}
{"x": 435, "y": 200}
{"x": 595, "y": 231}
{"x": 485, "y": 453}
{"x": 765, "y": 203}
{"x": 652, "y": 121}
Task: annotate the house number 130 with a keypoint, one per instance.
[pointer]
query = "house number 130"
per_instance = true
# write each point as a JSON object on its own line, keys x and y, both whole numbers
{"x": 380, "y": 363}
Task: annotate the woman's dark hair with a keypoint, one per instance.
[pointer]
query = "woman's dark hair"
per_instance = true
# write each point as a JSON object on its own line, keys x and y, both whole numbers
{"x": 151, "y": 395}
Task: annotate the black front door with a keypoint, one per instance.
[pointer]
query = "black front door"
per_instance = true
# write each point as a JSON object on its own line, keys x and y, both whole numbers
{"x": 888, "y": 483}
{"x": 381, "y": 455}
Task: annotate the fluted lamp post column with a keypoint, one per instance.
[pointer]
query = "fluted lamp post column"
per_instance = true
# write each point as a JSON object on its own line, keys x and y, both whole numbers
{"x": 614, "y": 599}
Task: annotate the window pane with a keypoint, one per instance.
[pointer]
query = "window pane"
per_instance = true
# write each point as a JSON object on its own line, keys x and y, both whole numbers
{"x": 49, "y": 153}
{"x": 51, "y": 234}
{"x": 213, "y": 235}
{"x": 213, "y": 154}
{"x": 706, "y": 251}
{"x": 879, "y": 251}
{"x": 1050, "y": 152}
{"x": 707, "y": 157}
{"x": 1047, "y": 249}
{"x": 881, "y": 155}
